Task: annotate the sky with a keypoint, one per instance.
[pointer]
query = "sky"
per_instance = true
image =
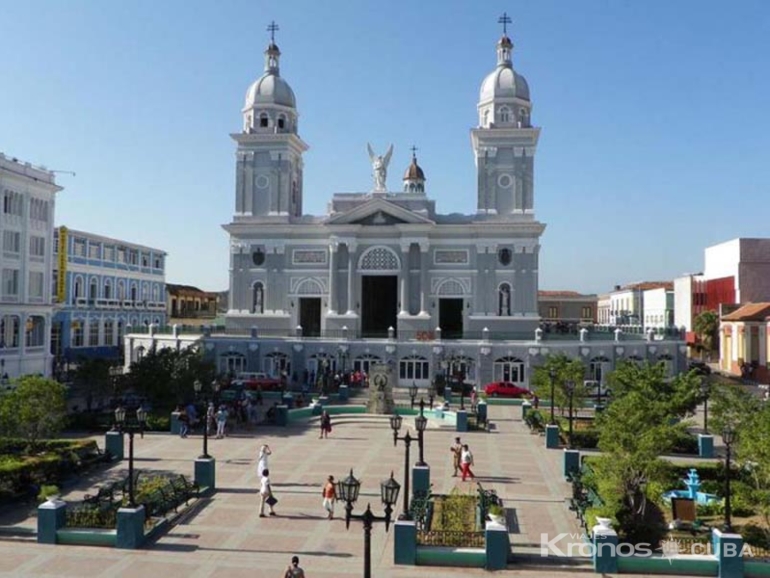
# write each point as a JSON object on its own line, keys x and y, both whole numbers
{"x": 654, "y": 115}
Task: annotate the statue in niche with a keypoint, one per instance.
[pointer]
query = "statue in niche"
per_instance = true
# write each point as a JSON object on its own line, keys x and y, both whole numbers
{"x": 380, "y": 167}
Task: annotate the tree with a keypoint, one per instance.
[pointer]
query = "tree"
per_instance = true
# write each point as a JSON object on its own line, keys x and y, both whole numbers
{"x": 34, "y": 410}
{"x": 565, "y": 369}
{"x": 706, "y": 326}
{"x": 753, "y": 450}
{"x": 92, "y": 377}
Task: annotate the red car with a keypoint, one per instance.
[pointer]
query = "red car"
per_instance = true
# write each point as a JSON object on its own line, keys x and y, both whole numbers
{"x": 505, "y": 389}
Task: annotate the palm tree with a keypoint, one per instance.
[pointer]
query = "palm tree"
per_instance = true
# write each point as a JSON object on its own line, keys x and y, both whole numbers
{"x": 706, "y": 326}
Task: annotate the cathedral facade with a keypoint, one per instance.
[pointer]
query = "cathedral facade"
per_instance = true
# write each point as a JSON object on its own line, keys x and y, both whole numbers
{"x": 385, "y": 276}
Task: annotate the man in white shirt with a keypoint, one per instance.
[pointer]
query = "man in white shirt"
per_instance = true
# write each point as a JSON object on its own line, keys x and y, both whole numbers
{"x": 265, "y": 492}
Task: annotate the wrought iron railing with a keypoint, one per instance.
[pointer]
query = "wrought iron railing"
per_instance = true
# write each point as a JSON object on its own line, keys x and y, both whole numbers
{"x": 455, "y": 538}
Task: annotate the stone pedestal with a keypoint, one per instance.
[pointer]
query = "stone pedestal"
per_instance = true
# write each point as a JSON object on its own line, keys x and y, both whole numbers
{"x": 344, "y": 393}
{"x": 113, "y": 443}
{"x": 728, "y": 548}
{"x": 462, "y": 421}
{"x": 282, "y": 415}
{"x": 51, "y": 516}
{"x": 605, "y": 546}
{"x": 525, "y": 407}
{"x": 571, "y": 462}
{"x": 552, "y": 436}
{"x": 498, "y": 546}
{"x": 705, "y": 446}
{"x": 206, "y": 472}
{"x": 420, "y": 480}
{"x": 175, "y": 425}
{"x": 130, "y": 533}
{"x": 381, "y": 382}
{"x": 404, "y": 543}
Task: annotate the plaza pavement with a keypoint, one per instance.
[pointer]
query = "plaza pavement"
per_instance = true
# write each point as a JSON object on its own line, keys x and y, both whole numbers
{"x": 225, "y": 538}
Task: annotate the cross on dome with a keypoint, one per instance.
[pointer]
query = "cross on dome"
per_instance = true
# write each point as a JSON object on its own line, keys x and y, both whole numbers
{"x": 271, "y": 28}
{"x": 505, "y": 20}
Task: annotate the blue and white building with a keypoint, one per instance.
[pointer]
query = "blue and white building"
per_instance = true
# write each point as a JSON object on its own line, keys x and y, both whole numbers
{"x": 103, "y": 287}
{"x": 26, "y": 261}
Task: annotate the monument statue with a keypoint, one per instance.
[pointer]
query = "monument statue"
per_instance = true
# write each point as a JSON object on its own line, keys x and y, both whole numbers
{"x": 380, "y": 167}
{"x": 380, "y": 389}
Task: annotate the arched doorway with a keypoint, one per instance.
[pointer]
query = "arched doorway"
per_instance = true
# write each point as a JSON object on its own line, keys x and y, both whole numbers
{"x": 379, "y": 268}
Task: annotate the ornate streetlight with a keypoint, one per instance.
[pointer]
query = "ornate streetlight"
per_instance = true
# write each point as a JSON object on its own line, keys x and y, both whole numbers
{"x": 347, "y": 490}
{"x": 198, "y": 386}
{"x": 420, "y": 423}
{"x": 552, "y": 375}
{"x": 413, "y": 392}
{"x": 431, "y": 393}
{"x": 395, "y": 425}
{"x": 130, "y": 426}
{"x": 728, "y": 437}
{"x": 569, "y": 385}
{"x": 705, "y": 390}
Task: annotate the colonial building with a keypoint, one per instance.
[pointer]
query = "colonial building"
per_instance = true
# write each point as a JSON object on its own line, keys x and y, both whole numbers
{"x": 188, "y": 302}
{"x": 103, "y": 286}
{"x": 384, "y": 275}
{"x": 26, "y": 309}
{"x": 566, "y": 311}
{"x": 745, "y": 348}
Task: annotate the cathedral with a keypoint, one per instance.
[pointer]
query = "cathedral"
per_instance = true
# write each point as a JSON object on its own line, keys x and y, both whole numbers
{"x": 385, "y": 276}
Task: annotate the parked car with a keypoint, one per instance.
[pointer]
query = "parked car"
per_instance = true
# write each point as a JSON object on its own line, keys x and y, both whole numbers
{"x": 254, "y": 380}
{"x": 505, "y": 389}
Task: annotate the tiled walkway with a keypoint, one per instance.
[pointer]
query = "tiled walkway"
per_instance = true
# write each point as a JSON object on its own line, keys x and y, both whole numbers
{"x": 227, "y": 539}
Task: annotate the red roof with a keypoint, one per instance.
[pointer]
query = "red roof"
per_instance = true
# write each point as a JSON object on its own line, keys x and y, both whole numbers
{"x": 749, "y": 312}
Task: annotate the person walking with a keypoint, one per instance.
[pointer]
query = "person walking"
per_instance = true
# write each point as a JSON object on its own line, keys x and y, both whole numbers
{"x": 326, "y": 424}
{"x": 210, "y": 419}
{"x": 266, "y": 494}
{"x": 466, "y": 461}
{"x": 294, "y": 570}
{"x": 262, "y": 460}
{"x": 457, "y": 450}
{"x": 184, "y": 423}
{"x": 330, "y": 496}
{"x": 221, "y": 422}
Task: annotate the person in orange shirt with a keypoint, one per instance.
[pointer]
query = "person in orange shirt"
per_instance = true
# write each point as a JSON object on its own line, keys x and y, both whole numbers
{"x": 330, "y": 496}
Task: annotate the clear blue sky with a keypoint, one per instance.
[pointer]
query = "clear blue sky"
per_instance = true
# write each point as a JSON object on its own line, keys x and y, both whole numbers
{"x": 655, "y": 116}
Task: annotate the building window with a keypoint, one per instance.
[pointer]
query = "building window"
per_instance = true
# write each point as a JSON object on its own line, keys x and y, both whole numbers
{"x": 258, "y": 306}
{"x": 121, "y": 331}
{"x": 94, "y": 251}
{"x": 504, "y": 300}
{"x": 586, "y": 313}
{"x": 505, "y": 114}
{"x": 12, "y": 243}
{"x": 109, "y": 332}
{"x": 263, "y": 120}
{"x": 37, "y": 246}
{"x": 35, "y": 330}
{"x": 80, "y": 248}
{"x": 281, "y": 122}
{"x": 11, "y": 283}
{"x": 145, "y": 260}
{"x": 364, "y": 362}
{"x": 38, "y": 210}
{"x": 134, "y": 293}
{"x": 121, "y": 255}
{"x": 13, "y": 203}
{"x": 158, "y": 263}
{"x": 93, "y": 333}
{"x": 414, "y": 368}
{"x": 234, "y": 363}
{"x": 93, "y": 290}
{"x": 504, "y": 255}
{"x": 109, "y": 254}
{"x": 78, "y": 287}
{"x": 9, "y": 331}
{"x": 77, "y": 334}
{"x": 510, "y": 369}
{"x": 597, "y": 367}
{"x": 553, "y": 312}
{"x": 107, "y": 289}
{"x": 36, "y": 282}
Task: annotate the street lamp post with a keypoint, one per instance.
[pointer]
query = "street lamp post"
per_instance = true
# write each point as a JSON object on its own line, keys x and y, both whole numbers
{"x": 705, "y": 392}
{"x": 569, "y": 385}
{"x": 728, "y": 437}
{"x": 348, "y": 490}
{"x": 130, "y": 426}
{"x": 198, "y": 386}
{"x": 552, "y": 375}
{"x": 413, "y": 392}
{"x": 420, "y": 423}
{"x": 431, "y": 393}
{"x": 395, "y": 424}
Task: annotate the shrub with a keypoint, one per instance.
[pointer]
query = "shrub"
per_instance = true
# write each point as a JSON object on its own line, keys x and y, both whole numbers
{"x": 756, "y": 536}
{"x": 586, "y": 439}
{"x": 47, "y": 490}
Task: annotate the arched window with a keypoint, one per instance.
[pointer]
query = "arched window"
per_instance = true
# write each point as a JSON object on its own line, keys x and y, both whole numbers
{"x": 364, "y": 362}
{"x": 281, "y": 122}
{"x": 504, "y": 300}
{"x": 510, "y": 369}
{"x": 121, "y": 290}
{"x": 597, "y": 368}
{"x": 258, "y": 304}
{"x": 78, "y": 287}
{"x": 134, "y": 293}
{"x": 107, "y": 289}
{"x": 505, "y": 114}
{"x": 276, "y": 364}
{"x": 93, "y": 291}
{"x": 9, "y": 331}
{"x": 485, "y": 122}
{"x": 263, "y": 120}
{"x": 414, "y": 368}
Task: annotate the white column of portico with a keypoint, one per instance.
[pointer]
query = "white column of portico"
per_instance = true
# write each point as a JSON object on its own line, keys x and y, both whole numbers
{"x": 351, "y": 273}
{"x": 332, "y": 309}
{"x": 424, "y": 268}
{"x": 404, "y": 309}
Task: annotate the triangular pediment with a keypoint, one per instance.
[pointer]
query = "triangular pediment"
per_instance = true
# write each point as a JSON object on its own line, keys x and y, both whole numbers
{"x": 378, "y": 212}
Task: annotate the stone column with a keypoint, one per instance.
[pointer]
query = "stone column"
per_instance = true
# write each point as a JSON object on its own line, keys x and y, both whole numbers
{"x": 332, "y": 308}
{"x": 404, "y": 309}
{"x": 424, "y": 267}
{"x": 351, "y": 277}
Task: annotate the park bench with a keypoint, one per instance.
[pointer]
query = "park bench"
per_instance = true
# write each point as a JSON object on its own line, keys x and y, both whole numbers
{"x": 583, "y": 497}
{"x": 184, "y": 488}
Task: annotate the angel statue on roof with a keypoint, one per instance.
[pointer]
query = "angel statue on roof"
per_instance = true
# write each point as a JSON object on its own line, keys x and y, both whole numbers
{"x": 380, "y": 167}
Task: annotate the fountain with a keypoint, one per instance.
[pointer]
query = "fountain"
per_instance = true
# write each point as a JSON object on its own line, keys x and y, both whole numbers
{"x": 692, "y": 481}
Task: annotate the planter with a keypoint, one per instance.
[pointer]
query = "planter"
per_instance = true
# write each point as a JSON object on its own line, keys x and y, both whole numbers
{"x": 604, "y": 523}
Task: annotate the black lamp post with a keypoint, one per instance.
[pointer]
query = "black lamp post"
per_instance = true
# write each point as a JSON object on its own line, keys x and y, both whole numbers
{"x": 395, "y": 425}
{"x": 431, "y": 393}
{"x": 705, "y": 390}
{"x": 130, "y": 426}
{"x": 552, "y": 375}
{"x": 728, "y": 437}
{"x": 569, "y": 385}
{"x": 347, "y": 490}
{"x": 413, "y": 392}
{"x": 198, "y": 386}
{"x": 420, "y": 423}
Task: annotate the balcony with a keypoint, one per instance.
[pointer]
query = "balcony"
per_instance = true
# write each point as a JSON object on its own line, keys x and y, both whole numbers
{"x": 81, "y": 302}
{"x": 128, "y": 304}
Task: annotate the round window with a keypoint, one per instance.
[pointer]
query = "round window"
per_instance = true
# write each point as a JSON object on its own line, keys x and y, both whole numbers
{"x": 504, "y": 255}
{"x": 258, "y": 257}
{"x": 504, "y": 181}
{"x": 262, "y": 182}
